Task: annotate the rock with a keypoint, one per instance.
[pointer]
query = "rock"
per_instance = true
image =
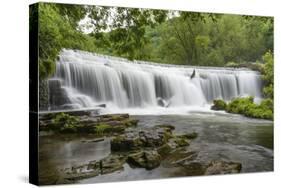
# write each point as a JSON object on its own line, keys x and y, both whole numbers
{"x": 112, "y": 163}
{"x": 179, "y": 157}
{"x": 145, "y": 159}
{"x": 101, "y": 105}
{"x": 133, "y": 140}
{"x": 193, "y": 74}
{"x": 57, "y": 94}
{"x": 223, "y": 167}
{"x": 81, "y": 172}
{"x": 84, "y": 122}
{"x": 94, "y": 140}
{"x": 179, "y": 141}
{"x": 126, "y": 142}
{"x": 163, "y": 103}
{"x": 194, "y": 168}
{"x": 218, "y": 105}
{"x": 164, "y": 150}
{"x": 106, "y": 165}
{"x": 113, "y": 117}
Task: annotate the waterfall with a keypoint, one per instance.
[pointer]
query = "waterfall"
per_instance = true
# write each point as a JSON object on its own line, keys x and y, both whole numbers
{"x": 85, "y": 80}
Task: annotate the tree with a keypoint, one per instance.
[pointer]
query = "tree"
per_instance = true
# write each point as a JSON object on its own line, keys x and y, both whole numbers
{"x": 268, "y": 75}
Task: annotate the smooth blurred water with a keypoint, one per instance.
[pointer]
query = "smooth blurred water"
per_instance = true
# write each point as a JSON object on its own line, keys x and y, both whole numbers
{"x": 90, "y": 79}
{"x": 220, "y": 137}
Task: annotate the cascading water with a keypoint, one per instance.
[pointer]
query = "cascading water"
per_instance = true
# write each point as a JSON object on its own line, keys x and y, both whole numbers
{"x": 85, "y": 80}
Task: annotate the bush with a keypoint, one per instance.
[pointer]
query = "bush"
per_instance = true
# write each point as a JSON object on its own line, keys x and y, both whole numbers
{"x": 240, "y": 105}
{"x": 268, "y": 75}
{"x": 247, "y": 107}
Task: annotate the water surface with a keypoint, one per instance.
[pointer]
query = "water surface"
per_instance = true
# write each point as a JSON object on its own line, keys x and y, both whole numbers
{"x": 220, "y": 137}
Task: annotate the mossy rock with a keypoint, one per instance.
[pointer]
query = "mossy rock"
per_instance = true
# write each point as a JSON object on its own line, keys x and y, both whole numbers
{"x": 145, "y": 159}
{"x": 219, "y": 105}
{"x": 223, "y": 167}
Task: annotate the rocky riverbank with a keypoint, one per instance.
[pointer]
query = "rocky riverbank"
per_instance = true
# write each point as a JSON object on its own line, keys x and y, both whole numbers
{"x": 139, "y": 147}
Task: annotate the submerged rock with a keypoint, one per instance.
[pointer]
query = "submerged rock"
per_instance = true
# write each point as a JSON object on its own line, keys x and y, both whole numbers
{"x": 223, "y": 167}
{"x": 145, "y": 159}
{"x": 106, "y": 165}
{"x": 194, "y": 168}
{"x": 163, "y": 103}
{"x": 179, "y": 157}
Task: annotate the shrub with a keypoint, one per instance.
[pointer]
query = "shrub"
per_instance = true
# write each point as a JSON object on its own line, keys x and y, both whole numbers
{"x": 247, "y": 107}
{"x": 240, "y": 105}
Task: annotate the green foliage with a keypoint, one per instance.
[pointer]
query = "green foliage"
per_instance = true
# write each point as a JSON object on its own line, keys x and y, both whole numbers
{"x": 239, "y": 105}
{"x": 232, "y": 64}
{"x": 102, "y": 128}
{"x": 187, "y": 38}
{"x": 247, "y": 107}
{"x": 64, "y": 123}
{"x": 268, "y": 75}
{"x": 57, "y": 30}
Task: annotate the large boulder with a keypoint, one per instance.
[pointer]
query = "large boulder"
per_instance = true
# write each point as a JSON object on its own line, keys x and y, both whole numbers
{"x": 145, "y": 159}
{"x": 136, "y": 139}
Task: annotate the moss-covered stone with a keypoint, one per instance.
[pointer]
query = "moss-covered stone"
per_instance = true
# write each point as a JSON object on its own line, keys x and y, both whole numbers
{"x": 145, "y": 159}
{"x": 223, "y": 167}
{"x": 219, "y": 105}
{"x": 85, "y": 123}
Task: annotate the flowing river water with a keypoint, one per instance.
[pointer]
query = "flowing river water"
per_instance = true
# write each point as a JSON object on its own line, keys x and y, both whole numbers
{"x": 155, "y": 94}
{"x": 220, "y": 137}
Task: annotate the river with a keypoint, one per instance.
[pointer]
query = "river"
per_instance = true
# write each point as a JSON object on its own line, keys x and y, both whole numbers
{"x": 220, "y": 137}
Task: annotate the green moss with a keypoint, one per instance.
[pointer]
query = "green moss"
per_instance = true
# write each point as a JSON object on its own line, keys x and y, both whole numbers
{"x": 64, "y": 123}
{"x": 102, "y": 128}
{"x": 219, "y": 105}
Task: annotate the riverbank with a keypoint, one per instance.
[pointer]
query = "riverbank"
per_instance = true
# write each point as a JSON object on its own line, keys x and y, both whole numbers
{"x": 181, "y": 146}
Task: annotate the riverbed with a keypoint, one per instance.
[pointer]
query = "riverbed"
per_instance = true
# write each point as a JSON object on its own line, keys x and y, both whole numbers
{"x": 220, "y": 137}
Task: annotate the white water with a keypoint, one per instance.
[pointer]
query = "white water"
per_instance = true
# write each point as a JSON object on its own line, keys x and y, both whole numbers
{"x": 137, "y": 87}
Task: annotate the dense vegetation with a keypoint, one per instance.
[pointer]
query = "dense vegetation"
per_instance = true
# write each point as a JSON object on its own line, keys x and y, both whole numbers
{"x": 154, "y": 35}
{"x": 246, "y": 105}
{"x": 173, "y": 37}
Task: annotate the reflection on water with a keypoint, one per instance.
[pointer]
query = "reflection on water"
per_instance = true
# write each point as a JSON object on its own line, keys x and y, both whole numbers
{"x": 221, "y": 137}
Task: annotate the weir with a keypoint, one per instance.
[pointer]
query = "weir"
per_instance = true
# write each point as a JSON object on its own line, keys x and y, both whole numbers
{"x": 85, "y": 80}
